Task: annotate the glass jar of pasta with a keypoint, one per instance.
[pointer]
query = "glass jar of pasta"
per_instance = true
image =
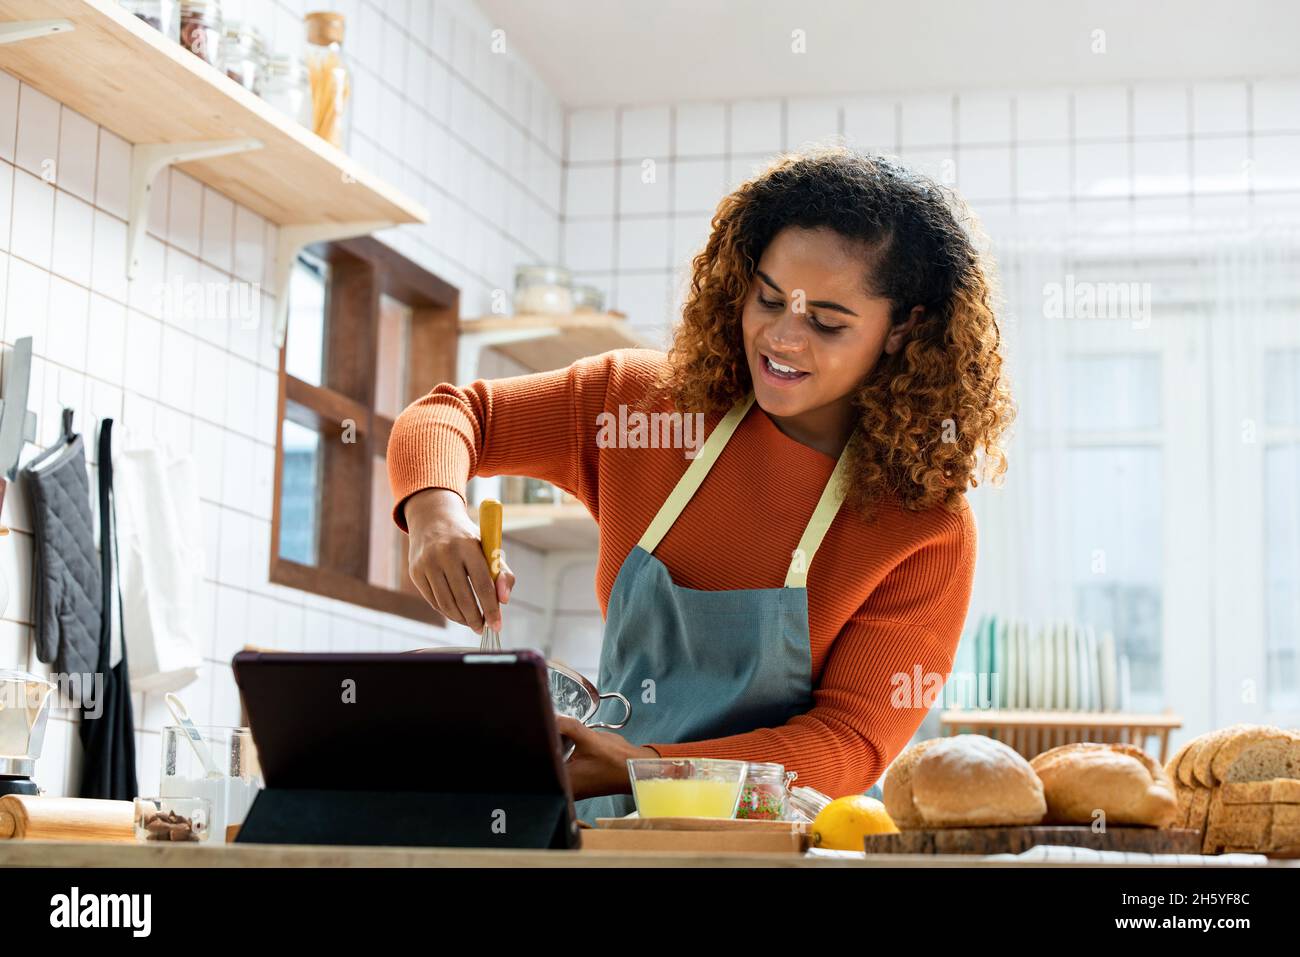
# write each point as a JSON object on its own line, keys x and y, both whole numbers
{"x": 331, "y": 78}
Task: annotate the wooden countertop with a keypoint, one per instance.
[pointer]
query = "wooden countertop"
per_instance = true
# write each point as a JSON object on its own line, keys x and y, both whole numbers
{"x": 93, "y": 854}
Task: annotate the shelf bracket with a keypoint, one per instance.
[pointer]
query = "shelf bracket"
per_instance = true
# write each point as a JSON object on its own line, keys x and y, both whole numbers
{"x": 293, "y": 240}
{"x": 147, "y": 161}
{"x": 20, "y": 30}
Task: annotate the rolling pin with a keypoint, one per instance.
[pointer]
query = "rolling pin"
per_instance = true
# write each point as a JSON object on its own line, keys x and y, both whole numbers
{"x": 65, "y": 819}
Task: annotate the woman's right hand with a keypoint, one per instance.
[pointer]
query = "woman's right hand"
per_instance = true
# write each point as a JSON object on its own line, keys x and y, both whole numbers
{"x": 447, "y": 564}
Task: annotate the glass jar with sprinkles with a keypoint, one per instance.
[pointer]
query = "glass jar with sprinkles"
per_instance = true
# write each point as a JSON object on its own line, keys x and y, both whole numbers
{"x": 766, "y": 793}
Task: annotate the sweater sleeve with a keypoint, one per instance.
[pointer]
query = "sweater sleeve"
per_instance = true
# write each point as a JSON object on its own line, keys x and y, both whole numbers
{"x": 542, "y": 425}
{"x": 867, "y": 704}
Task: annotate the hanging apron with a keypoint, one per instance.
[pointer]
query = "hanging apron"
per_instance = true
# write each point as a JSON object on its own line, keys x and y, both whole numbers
{"x": 707, "y": 664}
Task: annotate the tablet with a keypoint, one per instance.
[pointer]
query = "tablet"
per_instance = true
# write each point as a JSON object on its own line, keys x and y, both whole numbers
{"x": 443, "y": 722}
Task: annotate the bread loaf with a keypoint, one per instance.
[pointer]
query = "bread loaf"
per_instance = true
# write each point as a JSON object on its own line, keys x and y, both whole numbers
{"x": 1120, "y": 781}
{"x": 896, "y": 787}
{"x": 1240, "y": 786}
{"x": 970, "y": 780}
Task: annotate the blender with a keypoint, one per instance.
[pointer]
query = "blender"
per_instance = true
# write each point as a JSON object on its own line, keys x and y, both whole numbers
{"x": 25, "y": 704}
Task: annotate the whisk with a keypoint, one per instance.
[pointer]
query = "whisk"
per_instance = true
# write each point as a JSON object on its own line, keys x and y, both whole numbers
{"x": 489, "y": 530}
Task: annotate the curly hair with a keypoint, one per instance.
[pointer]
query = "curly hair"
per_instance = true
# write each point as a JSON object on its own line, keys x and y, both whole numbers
{"x": 925, "y": 413}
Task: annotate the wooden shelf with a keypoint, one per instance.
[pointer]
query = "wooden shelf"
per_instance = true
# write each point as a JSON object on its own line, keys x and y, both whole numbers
{"x": 124, "y": 75}
{"x": 562, "y": 527}
{"x": 541, "y": 343}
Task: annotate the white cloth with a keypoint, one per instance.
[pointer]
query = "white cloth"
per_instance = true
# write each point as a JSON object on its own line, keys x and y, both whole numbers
{"x": 1056, "y": 853}
{"x": 160, "y": 567}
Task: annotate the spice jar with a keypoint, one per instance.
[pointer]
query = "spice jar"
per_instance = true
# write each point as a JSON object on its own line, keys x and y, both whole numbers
{"x": 765, "y": 793}
{"x": 331, "y": 78}
{"x": 201, "y": 29}
{"x": 543, "y": 290}
{"x": 159, "y": 14}
{"x": 244, "y": 56}
{"x": 288, "y": 88}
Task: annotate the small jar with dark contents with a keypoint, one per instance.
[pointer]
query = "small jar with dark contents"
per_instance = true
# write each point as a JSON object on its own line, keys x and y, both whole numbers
{"x": 159, "y": 14}
{"x": 201, "y": 29}
{"x": 244, "y": 56}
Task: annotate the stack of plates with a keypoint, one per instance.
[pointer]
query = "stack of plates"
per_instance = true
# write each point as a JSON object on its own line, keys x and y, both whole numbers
{"x": 1062, "y": 666}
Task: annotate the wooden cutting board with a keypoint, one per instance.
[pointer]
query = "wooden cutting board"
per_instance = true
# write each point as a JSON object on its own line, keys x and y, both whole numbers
{"x": 703, "y": 834}
{"x": 739, "y": 825}
{"x": 1013, "y": 840}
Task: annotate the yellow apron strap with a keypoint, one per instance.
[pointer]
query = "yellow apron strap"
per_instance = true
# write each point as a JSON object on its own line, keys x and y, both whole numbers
{"x": 694, "y": 475}
{"x": 822, "y": 516}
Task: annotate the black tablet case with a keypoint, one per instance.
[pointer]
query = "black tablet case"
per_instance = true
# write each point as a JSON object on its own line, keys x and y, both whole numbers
{"x": 435, "y": 749}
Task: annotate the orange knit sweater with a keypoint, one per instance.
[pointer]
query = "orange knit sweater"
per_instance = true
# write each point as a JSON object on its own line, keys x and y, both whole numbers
{"x": 886, "y": 599}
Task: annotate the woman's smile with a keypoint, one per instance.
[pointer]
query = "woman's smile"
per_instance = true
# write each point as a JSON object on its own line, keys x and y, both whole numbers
{"x": 782, "y": 375}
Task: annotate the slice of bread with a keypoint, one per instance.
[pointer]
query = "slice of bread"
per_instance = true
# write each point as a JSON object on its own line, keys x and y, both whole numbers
{"x": 1286, "y": 815}
{"x": 1256, "y": 755}
{"x": 1199, "y": 809}
{"x": 1182, "y": 792}
{"x": 1171, "y": 766}
{"x": 1187, "y": 763}
{"x": 1284, "y": 837}
{"x": 1237, "y": 835}
{"x": 1201, "y": 766}
{"x": 1277, "y": 791}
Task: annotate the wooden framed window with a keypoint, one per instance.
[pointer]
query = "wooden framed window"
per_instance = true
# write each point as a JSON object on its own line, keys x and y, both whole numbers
{"x": 369, "y": 332}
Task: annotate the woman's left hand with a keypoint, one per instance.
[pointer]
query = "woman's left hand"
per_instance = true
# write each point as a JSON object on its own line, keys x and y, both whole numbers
{"x": 599, "y": 762}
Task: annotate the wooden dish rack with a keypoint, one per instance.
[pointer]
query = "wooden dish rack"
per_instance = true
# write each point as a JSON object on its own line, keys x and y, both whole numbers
{"x": 1033, "y": 732}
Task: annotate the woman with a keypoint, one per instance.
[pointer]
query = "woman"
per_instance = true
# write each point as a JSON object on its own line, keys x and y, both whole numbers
{"x": 840, "y": 341}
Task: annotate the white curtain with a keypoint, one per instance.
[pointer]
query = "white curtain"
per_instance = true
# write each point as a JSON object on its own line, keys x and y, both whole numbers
{"x": 1153, "y": 486}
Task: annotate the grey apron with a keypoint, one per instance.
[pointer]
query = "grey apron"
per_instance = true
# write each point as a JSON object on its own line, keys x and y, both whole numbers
{"x": 707, "y": 664}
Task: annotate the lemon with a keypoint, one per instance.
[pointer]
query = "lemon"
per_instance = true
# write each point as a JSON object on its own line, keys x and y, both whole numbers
{"x": 844, "y": 822}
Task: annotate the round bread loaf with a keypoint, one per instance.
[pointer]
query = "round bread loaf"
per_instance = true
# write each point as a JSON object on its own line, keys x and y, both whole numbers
{"x": 969, "y": 780}
{"x": 897, "y": 786}
{"x": 1120, "y": 780}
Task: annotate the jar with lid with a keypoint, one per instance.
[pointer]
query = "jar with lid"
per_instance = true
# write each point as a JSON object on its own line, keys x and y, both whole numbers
{"x": 162, "y": 15}
{"x": 766, "y": 792}
{"x": 201, "y": 29}
{"x": 330, "y": 77}
{"x": 543, "y": 291}
{"x": 244, "y": 56}
{"x": 537, "y": 492}
{"x": 806, "y": 803}
{"x": 288, "y": 88}
{"x": 588, "y": 299}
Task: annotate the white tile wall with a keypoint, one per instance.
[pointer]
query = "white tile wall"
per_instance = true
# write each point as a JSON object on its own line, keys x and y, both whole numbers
{"x": 1030, "y": 154}
{"x": 481, "y": 145}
